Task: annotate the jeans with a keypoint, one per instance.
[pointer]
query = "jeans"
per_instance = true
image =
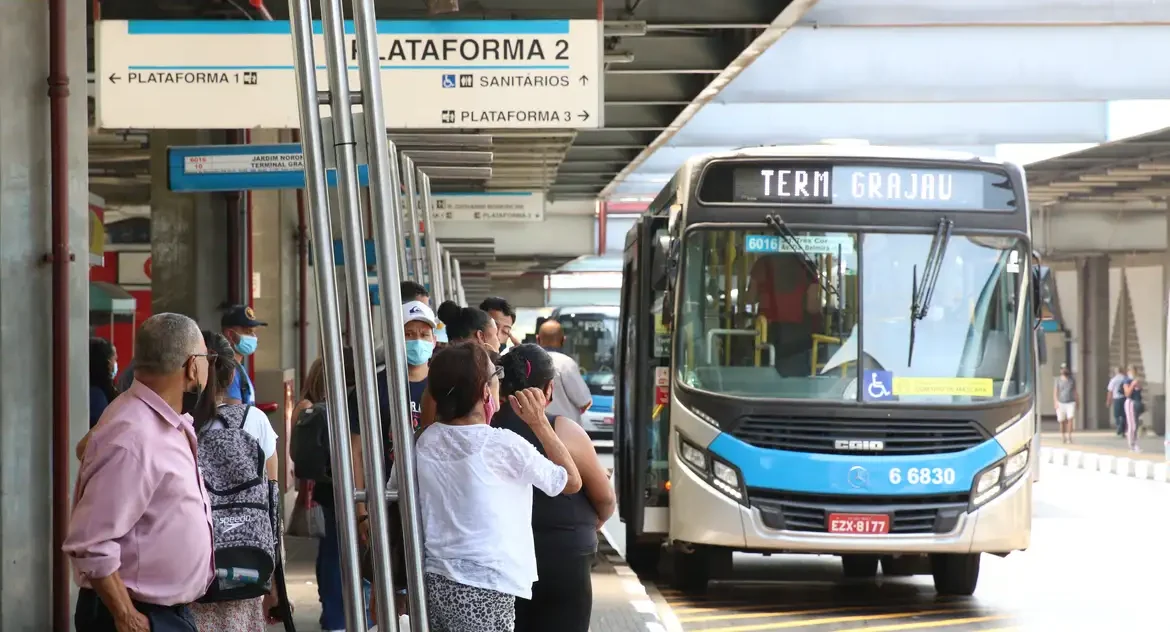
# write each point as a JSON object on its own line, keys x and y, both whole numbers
{"x": 91, "y": 615}
{"x": 329, "y": 586}
{"x": 1119, "y": 413}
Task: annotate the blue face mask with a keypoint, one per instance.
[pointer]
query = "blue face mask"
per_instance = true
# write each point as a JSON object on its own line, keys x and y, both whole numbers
{"x": 418, "y": 352}
{"x": 114, "y": 371}
{"x": 246, "y": 345}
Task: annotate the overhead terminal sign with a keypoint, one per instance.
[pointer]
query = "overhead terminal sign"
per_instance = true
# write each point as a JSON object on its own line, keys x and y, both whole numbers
{"x": 205, "y": 168}
{"x": 491, "y": 206}
{"x": 456, "y": 74}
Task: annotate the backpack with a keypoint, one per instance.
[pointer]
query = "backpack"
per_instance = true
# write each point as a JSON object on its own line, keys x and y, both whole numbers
{"x": 309, "y": 440}
{"x": 309, "y": 445}
{"x": 244, "y": 517}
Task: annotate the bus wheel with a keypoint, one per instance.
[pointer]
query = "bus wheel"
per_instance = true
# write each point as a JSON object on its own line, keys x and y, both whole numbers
{"x": 859, "y": 566}
{"x": 955, "y": 574}
{"x": 643, "y": 557}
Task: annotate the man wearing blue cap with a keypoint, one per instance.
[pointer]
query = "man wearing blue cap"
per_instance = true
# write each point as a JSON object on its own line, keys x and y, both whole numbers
{"x": 239, "y": 326}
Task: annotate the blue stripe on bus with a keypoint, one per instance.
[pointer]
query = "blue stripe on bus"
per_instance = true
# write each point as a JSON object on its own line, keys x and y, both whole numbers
{"x": 602, "y": 404}
{"x": 830, "y": 473}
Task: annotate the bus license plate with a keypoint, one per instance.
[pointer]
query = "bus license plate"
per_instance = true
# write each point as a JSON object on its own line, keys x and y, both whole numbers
{"x": 865, "y": 524}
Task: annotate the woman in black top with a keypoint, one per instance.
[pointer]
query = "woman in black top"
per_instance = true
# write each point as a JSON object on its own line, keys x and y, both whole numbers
{"x": 564, "y": 528}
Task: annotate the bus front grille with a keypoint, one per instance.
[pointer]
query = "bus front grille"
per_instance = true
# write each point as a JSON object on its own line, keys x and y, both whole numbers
{"x": 873, "y": 436}
{"x": 809, "y": 512}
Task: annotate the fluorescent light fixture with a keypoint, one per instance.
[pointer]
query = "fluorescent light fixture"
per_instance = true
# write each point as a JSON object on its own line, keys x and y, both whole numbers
{"x": 631, "y": 28}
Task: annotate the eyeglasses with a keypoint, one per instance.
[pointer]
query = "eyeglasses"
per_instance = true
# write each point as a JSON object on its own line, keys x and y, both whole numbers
{"x": 498, "y": 372}
{"x": 210, "y": 355}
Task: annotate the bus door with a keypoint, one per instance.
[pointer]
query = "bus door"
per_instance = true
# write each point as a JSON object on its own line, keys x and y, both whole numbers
{"x": 642, "y": 405}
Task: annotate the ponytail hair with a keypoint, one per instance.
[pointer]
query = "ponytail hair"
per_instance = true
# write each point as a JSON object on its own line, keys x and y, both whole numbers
{"x": 526, "y": 366}
{"x": 462, "y": 322}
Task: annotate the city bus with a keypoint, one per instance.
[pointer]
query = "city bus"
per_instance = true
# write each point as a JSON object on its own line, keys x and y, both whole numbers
{"x": 829, "y": 350}
{"x": 590, "y": 339}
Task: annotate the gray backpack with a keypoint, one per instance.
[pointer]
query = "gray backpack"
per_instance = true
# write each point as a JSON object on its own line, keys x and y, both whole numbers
{"x": 244, "y": 518}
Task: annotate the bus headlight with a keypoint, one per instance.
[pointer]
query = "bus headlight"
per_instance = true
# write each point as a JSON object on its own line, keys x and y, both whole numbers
{"x": 715, "y": 471}
{"x": 995, "y": 479}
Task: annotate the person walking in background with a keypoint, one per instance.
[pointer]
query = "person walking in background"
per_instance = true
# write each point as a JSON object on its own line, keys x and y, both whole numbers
{"x": 570, "y": 395}
{"x": 1116, "y": 398}
{"x": 103, "y": 368}
{"x": 414, "y": 291}
{"x": 1134, "y": 407}
{"x": 1065, "y": 396}
{"x": 140, "y": 532}
{"x": 239, "y": 326}
{"x": 502, "y": 312}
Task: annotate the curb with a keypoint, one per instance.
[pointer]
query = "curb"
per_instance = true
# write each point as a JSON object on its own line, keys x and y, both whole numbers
{"x": 1120, "y": 466}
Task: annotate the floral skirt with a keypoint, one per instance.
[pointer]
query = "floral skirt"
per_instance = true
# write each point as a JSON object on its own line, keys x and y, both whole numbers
{"x": 245, "y": 615}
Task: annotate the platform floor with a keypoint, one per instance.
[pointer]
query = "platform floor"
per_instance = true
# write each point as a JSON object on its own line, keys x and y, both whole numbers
{"x": 620, "y": 601}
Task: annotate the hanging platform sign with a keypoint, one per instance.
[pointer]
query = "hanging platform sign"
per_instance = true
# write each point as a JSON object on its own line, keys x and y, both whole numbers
{"x": 490, "y": 206}
{"x": 207, "y": 168}
{"x": 456, "y": 74}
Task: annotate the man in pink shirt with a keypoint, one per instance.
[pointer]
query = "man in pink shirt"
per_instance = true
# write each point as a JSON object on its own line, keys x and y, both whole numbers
{"x": 140, "y": 532}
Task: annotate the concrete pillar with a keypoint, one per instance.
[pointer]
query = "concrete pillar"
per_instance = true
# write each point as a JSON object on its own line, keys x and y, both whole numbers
{"x": 25, "y": 408}
{"x": 188, "y": 235}
{"x": 1093, "y": 350}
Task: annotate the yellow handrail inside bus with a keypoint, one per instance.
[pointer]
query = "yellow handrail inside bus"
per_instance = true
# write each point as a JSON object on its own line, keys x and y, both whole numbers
{"x": 818, "y": 340}
{"x": 761, "y": 337}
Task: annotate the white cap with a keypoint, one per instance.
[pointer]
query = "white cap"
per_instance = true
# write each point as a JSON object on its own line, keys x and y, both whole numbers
{"x": 417, "y": 310}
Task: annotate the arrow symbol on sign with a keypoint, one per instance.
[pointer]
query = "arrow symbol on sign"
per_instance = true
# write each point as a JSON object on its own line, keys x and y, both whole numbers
{"x": 584, "y": 115}
{"x": 113, "y": 78}
{"x": 584, "y": 80}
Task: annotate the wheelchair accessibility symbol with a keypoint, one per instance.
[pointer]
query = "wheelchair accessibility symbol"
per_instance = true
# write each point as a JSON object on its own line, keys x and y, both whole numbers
{"x": 879, "y": 385}
{"x": 449, "y": 81}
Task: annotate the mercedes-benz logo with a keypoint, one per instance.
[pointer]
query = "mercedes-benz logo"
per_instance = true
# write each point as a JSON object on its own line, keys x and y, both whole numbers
{"x": 858, "y": 477}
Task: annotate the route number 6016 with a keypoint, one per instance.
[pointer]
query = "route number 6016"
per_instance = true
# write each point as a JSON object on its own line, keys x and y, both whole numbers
{"x": 923, "y": 476}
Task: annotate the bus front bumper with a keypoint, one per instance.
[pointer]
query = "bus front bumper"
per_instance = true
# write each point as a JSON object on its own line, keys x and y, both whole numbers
{"x": 1002, "y": 525}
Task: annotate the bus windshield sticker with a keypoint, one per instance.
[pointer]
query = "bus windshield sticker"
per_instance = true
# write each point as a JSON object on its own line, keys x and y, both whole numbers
{"x": 863, "y": 187}
{"x": 881, "y": 386}
{"x": 811, "y": 244}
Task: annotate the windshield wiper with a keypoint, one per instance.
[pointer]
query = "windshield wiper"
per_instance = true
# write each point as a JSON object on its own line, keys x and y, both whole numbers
{"x": 776, "y": 223}
{"x": 922, "y": 294}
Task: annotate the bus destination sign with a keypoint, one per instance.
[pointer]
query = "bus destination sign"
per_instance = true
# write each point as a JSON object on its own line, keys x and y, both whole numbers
{"x": 864, "y": 186}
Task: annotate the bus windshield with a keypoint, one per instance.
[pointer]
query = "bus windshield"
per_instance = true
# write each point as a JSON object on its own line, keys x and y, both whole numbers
{"x": 590, "y": 339}
{"x": 769, "y": 316}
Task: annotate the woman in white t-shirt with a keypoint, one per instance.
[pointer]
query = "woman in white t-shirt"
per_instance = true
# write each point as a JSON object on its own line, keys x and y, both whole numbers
{"x": 243, "y": 615}
{"x": 475, "y": 493}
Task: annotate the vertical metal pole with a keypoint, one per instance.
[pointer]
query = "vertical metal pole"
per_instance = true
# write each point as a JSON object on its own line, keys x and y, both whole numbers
{"x": 358, "y": 291}
{"x": 399, "y": 209}
{"x": 459, "y": 294}
{"x": 448, "y": 274}
{"x": 424, "y": 195}
{"x": 387, "y": 216}
{"x": 328, "y": 312}
{"x": 408, "y": 176}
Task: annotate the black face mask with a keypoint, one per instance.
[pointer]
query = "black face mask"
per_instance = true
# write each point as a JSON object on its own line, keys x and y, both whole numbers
{"x": 192, "y": 399}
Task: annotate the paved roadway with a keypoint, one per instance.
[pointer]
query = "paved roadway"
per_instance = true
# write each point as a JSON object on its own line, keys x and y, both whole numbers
{"x": 1098, "y": 561}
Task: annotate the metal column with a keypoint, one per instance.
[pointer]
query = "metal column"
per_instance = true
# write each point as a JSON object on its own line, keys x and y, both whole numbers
{"x": 409, "y": 178}
{"x": 329, "y": 313}
{"x": 448, "y": 274}
{"x": 341, "y": 100}
{"x": 460, "y": 297}
{"x": 387, "y": 215}
{"x": 434, "y": 259}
